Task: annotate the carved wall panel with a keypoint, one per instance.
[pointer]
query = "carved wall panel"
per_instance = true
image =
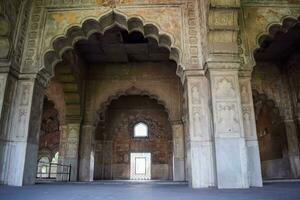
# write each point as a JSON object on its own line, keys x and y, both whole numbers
{"x": 227, "y": 119}
{"x": 22, "y": 109}
{"x": 227, "y": 105}
{"x": 247, "y": 107}
{"x": 199, "y": 119}
{"x": 72, "y": 141}
{"x": 177, "y": 17}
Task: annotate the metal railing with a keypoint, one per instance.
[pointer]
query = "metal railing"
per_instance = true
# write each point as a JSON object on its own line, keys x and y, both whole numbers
{"x": 54, "y": 171}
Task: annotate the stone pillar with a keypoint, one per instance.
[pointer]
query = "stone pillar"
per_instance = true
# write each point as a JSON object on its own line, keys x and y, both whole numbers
{"x": 223, "y": 63}
{"x": 254, "y": 163}
{"x": 293, "y": 146}
{"x": 62, "y": 151}
{"x": 107, "y": 159}
{"x": 290, "y": 112}
{"x": 21, "y": 146}
{"x": 178, "y": 151}
{"x": 69, "y": 145}
{"x": 86, "y": 168}
{"x": 230, "y": 145}
{"x": 200, "y": 159}
{"x": 7, "y": 90}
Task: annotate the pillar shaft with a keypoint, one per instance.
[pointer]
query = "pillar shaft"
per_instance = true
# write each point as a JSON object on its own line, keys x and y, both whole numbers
{"x": 69, "y": 145}
{"x": 200, "y": 160}
{"x": 21, "y": 146}
{"x": 230, "y": 145}
{"x": 7, "y": 90}
{"x": 86, "y": 169}
{"x": 254, "y": 163}
{"x": 178, "y": 151}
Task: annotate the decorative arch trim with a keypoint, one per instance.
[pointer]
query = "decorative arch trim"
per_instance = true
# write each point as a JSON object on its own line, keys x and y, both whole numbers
{"x": 90, "y": 26}
{"x": 131, "y": 91}
{"x": 273, "y": 30}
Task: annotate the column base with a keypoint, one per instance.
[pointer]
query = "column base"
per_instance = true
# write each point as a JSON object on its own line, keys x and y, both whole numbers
{"x": 18, "y": 163}
{"x": 254, "y": 166}
{"x": 231, "y": 163}
{"x": 201, "y": 165}
{"x": 178, "y": 170}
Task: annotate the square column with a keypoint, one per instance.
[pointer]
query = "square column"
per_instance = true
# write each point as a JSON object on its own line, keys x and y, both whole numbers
{"x": 254, "y": 163}
{"x": 69, "y": 145}
{"x": 86, "y": 168}
{"x": 230, "y": 145}
{"x": 7, "y": 89}
{"x": 178, "y": 151}
{"x": 200, "y": 159}
{"x": 21, "y": 146}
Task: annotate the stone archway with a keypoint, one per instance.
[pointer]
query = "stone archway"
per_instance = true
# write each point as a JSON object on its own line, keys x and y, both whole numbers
{"x": 273, "y": 33}
{"x": 276, "y": 49}
{"x": 76, "y": 35}
{"x": 167, "y": 158}
{"x": 104, "y": 23}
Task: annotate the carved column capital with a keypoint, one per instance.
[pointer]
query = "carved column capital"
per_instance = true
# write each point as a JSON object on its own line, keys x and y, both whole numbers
{"x": 191, "y": 73}
{"x": 223, "y": 64}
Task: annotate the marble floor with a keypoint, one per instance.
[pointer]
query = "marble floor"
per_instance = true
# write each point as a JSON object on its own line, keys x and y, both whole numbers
{"x": 146, "y": 191}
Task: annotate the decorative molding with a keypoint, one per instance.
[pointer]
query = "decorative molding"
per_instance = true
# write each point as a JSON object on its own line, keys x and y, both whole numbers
{"x": 131, "y": 91}
{"x": 270, "y": 3}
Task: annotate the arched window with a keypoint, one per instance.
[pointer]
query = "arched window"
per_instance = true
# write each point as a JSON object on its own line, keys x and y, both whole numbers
{"x": 43, "y": 167}
{"x": 140, "y": 130}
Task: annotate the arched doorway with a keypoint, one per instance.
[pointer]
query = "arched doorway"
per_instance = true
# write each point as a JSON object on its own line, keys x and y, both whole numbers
{"x": 134, "y": 141}
{"x": 108, "y": 57}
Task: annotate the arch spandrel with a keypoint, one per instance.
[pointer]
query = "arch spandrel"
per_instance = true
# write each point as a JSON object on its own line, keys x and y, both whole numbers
{"x": 64, "y": 20}
{"x": 258, "y": 21}
{"x": 61, "y": 44}
{"x": 168, "y": 20}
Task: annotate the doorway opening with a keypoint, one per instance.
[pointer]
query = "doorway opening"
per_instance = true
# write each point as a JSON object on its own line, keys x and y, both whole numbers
{"x": 140, "y": 166}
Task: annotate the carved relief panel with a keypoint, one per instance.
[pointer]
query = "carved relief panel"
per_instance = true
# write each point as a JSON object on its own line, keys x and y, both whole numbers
{"x": 23, "y": 106}
{"x": 228, "y": 123}
{"x": 199, "y": 113}
{"x": 50, "y": 19}
{"x": 247, "y": 108}
{"x": 226, "y": 104}
{"x": 72, "y": 141}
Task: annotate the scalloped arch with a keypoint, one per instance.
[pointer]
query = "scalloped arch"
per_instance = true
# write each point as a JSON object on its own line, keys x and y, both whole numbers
{"x": 131, "y": 91}
{"x": 90, "y": 26}
{"x": 275, "y": 29}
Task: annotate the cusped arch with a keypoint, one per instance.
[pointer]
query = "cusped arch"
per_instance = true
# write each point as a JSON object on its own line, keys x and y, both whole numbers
{"x": 274, "y": 30}
{"x": 90, "y": 26}
{"x": 131, "y": 91}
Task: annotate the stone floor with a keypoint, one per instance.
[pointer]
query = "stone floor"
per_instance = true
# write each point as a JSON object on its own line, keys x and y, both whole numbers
{"x": 148, "y": 191}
